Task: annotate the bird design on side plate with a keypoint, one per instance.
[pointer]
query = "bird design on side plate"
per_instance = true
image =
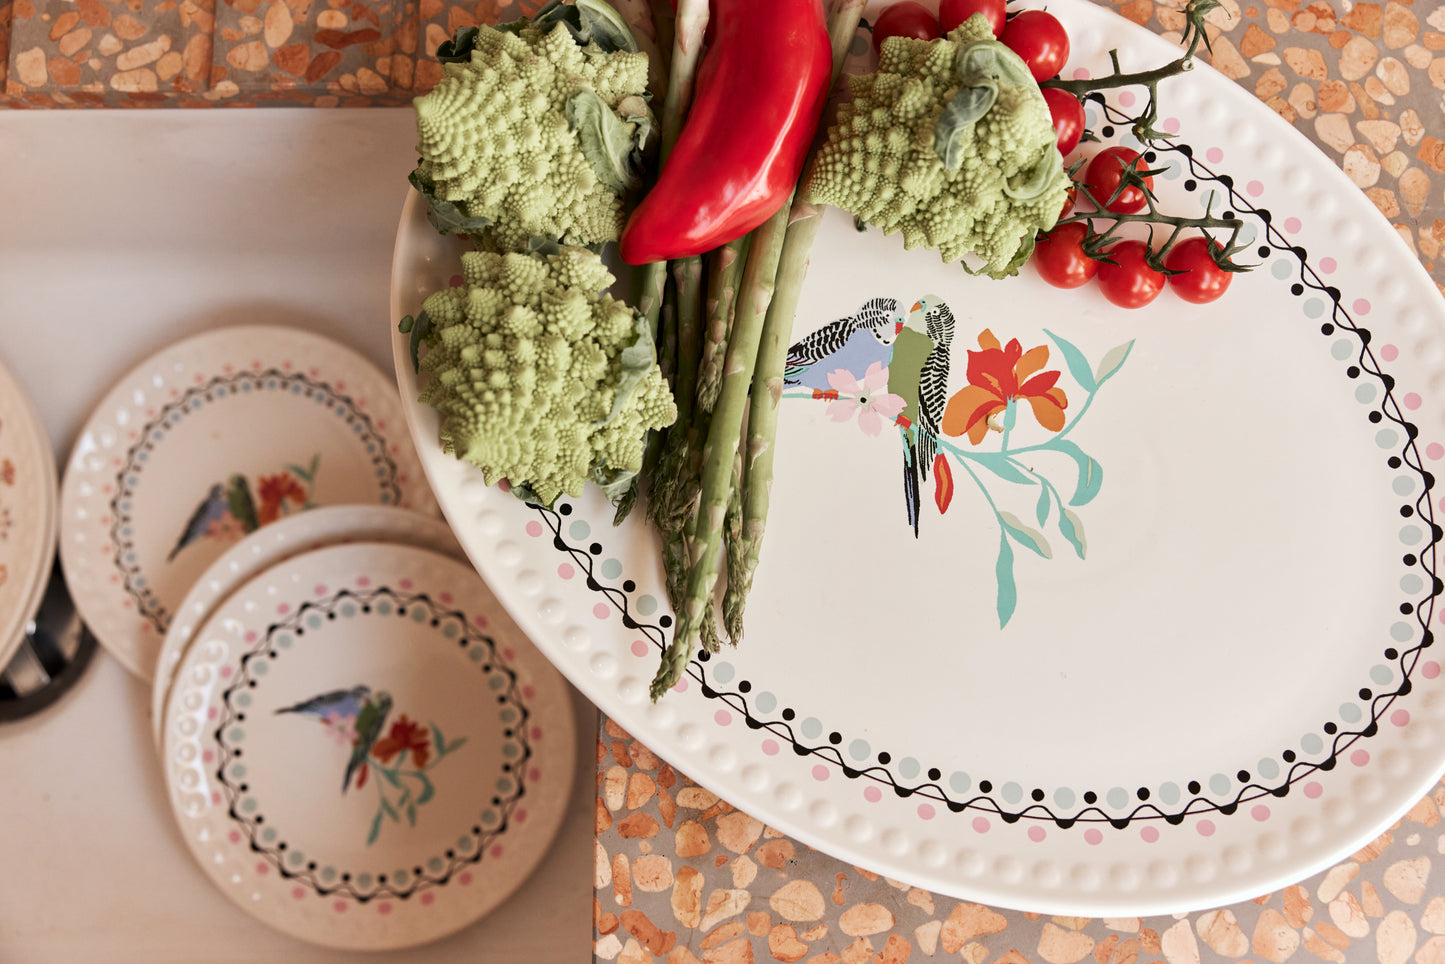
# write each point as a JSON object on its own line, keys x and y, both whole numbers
{"x": 231, "y": 498}
{"x": 918, "y": 373}
{"x": 357, "y": 706}
{"x": 849, "y": 344}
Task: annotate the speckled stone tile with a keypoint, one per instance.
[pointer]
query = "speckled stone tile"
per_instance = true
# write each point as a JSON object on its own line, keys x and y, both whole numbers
{"x": 684, "y": 877}
{"x": 94, "y": 52}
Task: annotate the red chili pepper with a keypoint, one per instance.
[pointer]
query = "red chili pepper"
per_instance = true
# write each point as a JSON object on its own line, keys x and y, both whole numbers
{"x": 760, "y": 91}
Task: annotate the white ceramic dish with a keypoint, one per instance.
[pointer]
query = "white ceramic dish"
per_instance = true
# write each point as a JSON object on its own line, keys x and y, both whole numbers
{"x": 203, "y": 443}
{"x": 275, "y": 543}
{"x": 1166, "y": 649}
{"x": 358, "y": 756}
{"x": 28, "y": 497}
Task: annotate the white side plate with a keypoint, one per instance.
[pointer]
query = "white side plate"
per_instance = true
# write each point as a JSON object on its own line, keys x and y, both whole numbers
{"x": 202, "y": 444}
{"x": 357, "y": 757}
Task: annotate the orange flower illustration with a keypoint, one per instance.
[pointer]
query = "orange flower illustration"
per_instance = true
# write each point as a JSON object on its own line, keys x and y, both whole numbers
{"x": 405, "y": 735}
{"x": 275, "y": 491}
{"x": 998, "y": 375}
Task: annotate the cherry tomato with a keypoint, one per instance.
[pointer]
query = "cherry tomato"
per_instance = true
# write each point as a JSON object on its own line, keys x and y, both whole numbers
{"x": 1130, "y": 282}
{"x": 951, "y": 13}
{"x": 1105, "y": 172}
{"x": 1069, "y": 201}
{"x": 905, "y": 19}
{"x": 1059, "y": 256}
{"x": 1202, "y": 280}
{"x": 1040, "y": 40}
{"x": 1068, "y": 115}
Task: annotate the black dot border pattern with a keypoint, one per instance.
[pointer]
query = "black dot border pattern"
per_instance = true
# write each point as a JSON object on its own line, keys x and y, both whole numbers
{"x": 454, "y": 860}
{"x": 1339, "y": 739}
{"x": 148, "y": 605}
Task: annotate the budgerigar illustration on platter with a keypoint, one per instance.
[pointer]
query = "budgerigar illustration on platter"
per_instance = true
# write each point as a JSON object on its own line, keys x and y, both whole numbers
{"x": 357, "y": 718}
{"x": 894, "y": 372}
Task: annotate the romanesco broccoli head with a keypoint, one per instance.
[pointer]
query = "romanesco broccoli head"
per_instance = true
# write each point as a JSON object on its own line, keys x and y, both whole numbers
{"x": 538, "y": 378}
{"x": 950, "y": 143}
{"x": 533, "y": 135}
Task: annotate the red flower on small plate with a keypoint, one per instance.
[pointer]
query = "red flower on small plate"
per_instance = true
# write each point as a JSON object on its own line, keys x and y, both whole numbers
{"x": 275, "y": 490}
{"x": 404, "y": 736}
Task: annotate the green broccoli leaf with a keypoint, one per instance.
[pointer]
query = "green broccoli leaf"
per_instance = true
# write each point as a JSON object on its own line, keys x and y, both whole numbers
{"x": 1034, "y": 181}
{"x": 458, "y": 50}
{"x": 950, "y": 134}
{"x": 614, "y": 482}
{"x": 635, "y": 110}
{"x": 607, "y": 141}
{"x": 418, "y": 328}
{"x": 588, "y": 21}
{"x": 982, "y": 68}
{"x": 634, "y": 362}
{"x": 990, "y": 62}
{"x": 445, "y": 216}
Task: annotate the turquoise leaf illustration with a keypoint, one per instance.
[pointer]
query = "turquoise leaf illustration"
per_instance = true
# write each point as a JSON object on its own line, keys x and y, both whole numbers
{"x": 1026, "y": 536}
{"x": 1008, "y": 597}
{"x": 1091, "y": 473}
{"x": 1000, "y": 465}
{"x": 1112, "y": 361}
{"x": 1043, "y": 507}
{"x": 1078, "y": 365}
{"x": 1073, "y": 529}
{"x": 428, "y": 790}
{"x": 375, "y": 829}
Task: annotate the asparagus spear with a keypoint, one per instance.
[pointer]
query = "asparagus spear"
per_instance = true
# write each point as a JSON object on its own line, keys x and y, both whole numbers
{"x": 767, "y": 387}
{"x": 725, "y": 265}
{"x": 721, "y": 449}
{"x": 686, "y": 33}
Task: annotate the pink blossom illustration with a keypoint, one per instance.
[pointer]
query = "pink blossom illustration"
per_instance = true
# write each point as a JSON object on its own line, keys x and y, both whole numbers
{"x": 866, "y": 398}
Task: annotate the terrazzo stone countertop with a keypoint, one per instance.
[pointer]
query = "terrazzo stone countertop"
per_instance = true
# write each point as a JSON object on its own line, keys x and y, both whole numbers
{"x": 682, "y": 876}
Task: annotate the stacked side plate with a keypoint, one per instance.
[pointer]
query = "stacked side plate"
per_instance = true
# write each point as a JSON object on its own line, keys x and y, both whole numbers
{"x": 206, "y": 442}
{"x": 27, "y": 514}
{"x": 360, "y": 748}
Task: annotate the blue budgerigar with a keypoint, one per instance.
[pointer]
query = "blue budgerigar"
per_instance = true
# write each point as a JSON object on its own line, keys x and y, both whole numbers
{"x": 233, "y": 497}
{"x": 342, "y": 704}
{"x": 918, "y": 373}
{"x": 850, "y": 344}
{"x": 357, "y": 705}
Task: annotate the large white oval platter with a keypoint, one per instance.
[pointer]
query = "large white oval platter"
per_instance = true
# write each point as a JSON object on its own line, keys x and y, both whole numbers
{"x": 1213, "y": 675}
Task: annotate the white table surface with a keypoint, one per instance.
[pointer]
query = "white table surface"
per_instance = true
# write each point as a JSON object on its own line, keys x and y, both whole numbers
{"x": 121, "y": 232}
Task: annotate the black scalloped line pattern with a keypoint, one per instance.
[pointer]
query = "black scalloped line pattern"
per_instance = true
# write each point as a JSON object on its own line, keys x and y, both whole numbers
{"x": 1340, "y": 740}
{"x": 148, "y": 605}
{"x": 293, "y": 624}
